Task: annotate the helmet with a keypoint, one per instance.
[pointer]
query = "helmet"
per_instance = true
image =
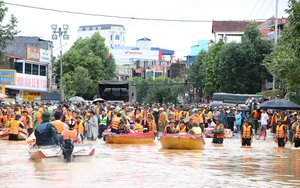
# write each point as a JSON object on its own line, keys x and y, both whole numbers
{"x": 71, "y": 123}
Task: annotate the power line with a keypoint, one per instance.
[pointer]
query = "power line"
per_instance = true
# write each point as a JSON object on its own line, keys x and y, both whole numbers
{"x": 260, "y": 8}
{"x": 111, "y": 16}
{"x": 268, "y": 8}
{"x": 253, "y": 9}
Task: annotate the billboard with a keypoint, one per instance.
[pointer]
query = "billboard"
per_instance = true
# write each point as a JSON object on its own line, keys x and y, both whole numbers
{"x": 37, "y": 54}
{"x": 7, "y": 77}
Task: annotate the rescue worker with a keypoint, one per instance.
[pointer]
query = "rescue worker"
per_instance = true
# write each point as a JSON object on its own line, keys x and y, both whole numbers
{"x": 151, "y": 125}
{"x": 170, "y": 129}
{"x": 246, "y": 133}
{"x": 218, "y": 132}
{"x": 116, "y": 122}
{"x": 255, "y": 117}
{"x": 196, "y": 130}
{"x": 162, "y": 121}
{"x": 59, "y": 125}
{"x": 294, "y": 122}
{"x": 138, "y": 126}
{"x": 71, "y": 133}
{"x": 14, "y": 125}
{"x": 296, "y": 136}
{"x": 36, "y": 117}
{"x": 27, "y": 122}
{"x": 103, "y": 122}
{"x": 79, "y": 126}
{"x": 281, "y": 133}
{"x": 46, "y": 133}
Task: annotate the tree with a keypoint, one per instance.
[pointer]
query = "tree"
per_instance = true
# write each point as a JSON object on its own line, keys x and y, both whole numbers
{"x": 284, "y": 60}
{"x": 81, "y": 80}
{"x": 7, "y": 31}
{"x": 91, "y": 54}
{"x": 196, "y": 72}
{"x": 239, "y": 66}
{"x": 212, "y": 83}
{"x": 68, "y": 85}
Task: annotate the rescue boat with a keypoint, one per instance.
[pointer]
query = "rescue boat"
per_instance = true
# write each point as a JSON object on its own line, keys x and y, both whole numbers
{"x": 128, "y": 138}
{"x": 182, "y": 141}
{"x": 210, "y": 134}
{"x": 54, "y": 153}
{"x": 4, "y": 134}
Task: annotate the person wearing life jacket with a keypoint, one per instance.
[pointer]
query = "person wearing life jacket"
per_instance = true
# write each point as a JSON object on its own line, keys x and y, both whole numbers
{"x": 162, "y": 121}
{"x": 151, "y": 125}
{"x": 14, "y": 126}
{"x": 103, "y": 122}
{"x": 255, "y": 117}
{"x": 79, "y": 127}
{"x": 71, "y": 133}
{"x": 37, "y": 117}
{"x": 67, "y": 116}
{"x": 246, "y": 133}
{"x": 196, "y": 130}
{"x": 45, "y": 132}
{"x": 170, "y": 128}
{"x": 292, "y": 131}
{"x": 138, "y": 127}
{"x": 281, "y": 133}
{"x": 218, "y": 132}
{"x": 59, "y": 125}
{"x": 27, "y": 122}
{"x": 296, "y": 136}
{"x": 116, "y": 122}
{"x": 181, "y": 127}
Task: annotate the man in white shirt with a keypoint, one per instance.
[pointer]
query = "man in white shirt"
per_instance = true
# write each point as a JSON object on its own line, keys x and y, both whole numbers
{"x": 264, "y": 122}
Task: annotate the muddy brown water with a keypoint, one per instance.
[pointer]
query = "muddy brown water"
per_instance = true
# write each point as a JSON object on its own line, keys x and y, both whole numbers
{"x": 230, "y": 165}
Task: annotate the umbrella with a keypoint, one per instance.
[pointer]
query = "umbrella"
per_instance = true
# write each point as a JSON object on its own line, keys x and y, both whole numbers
{"x": 2, "y": 96}
{"x": 100, "y": 100}
{"x": 279, "y": 104}
{"x": 76, "y": 99}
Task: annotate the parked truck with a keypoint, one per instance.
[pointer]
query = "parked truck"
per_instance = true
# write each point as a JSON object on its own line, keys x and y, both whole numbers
{"x": 111, "y": 90}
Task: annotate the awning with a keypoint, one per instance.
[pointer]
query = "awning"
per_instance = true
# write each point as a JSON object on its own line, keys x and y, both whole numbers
{"x": 25, "y": 88}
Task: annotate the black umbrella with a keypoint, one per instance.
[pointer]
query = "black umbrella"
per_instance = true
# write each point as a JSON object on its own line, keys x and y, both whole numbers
{"x": 99, "y": 100}
{"x": 279, "y": 104}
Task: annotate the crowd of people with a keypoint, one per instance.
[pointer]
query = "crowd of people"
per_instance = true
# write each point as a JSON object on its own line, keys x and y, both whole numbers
{"x": 52, "y": 123}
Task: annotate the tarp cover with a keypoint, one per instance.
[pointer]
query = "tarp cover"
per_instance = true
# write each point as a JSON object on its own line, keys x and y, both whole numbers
{"x": 279, "y": 104}
{"x": 112, "y": 82}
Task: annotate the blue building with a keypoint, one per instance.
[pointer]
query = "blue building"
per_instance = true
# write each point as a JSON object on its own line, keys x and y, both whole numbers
{"x": 202, "y": 45}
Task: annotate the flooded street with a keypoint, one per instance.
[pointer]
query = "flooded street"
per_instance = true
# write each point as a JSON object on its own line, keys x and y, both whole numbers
{"x": 230, "y": 165}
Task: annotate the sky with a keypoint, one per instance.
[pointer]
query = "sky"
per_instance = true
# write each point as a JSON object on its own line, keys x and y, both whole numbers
{"x": 177, "y": 36}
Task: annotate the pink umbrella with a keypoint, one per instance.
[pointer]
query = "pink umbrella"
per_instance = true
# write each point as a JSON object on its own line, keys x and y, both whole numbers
{"x": 2, "y": 96}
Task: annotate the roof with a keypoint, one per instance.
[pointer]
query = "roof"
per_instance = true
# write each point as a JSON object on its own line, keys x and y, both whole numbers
{"x": 164, "y": 51}
{"x": 264, "y": 32}
{"x": 103, "y": 26}
{"x": 158, "y": 68}
{"x": 229, "y": 26}
{"x": 144, "y": 39}
{"x": 139, "y": 70}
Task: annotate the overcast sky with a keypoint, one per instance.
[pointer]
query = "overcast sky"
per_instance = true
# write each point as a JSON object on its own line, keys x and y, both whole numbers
{"x": 178, "y": 36}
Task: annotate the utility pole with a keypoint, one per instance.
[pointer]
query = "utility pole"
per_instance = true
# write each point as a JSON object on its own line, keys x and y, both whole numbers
{"x": 275, "y": 37}
{"x": 51, "y": 66}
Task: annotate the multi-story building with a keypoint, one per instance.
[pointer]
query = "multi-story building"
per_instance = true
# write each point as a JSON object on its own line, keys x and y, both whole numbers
{"x": 115, "y": 35}
{"x": 29, "y": 60}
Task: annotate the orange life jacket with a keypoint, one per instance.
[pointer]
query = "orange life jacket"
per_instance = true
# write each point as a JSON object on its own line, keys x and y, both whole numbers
{"x": 59, "y": 125}
{"x": 196, "y": 118}
{"x": 247, "y": 131}
{"x": 218, "y": 128}
{"x": 256, "y": 115}
{"x": 115, "y": 123}
{"x": 14, "y": 127}
{"x": 183, "y": 130}
{"x": 297, "y": 134}
{"x": 67, "y": 118}
{"x": 71, "y": 134}
{"x": 38, "y": 117}
{"x": 161, "y": 119}
{"x": 27, "y": 122}
{"x": 151, "y": 124}
{"x": 280, "y": 131}
{"x": 139, "y": 127}
{"x": 79, "y": 127}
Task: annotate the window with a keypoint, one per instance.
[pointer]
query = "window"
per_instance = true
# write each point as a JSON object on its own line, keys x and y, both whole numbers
{"x": 19, "y": 67}
{"x": 110, "y": 37}
{"x": 90, "y": 28}
{"x": 42, "y": 70}
{"x": 28, "y": 68}
{"x": 117, "y": 37}
{"x": 35, "y": 69}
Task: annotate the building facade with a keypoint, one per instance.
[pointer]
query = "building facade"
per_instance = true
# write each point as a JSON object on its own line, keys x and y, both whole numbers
{"x": 115, "y": 35}
{"x": 30, "y": 57}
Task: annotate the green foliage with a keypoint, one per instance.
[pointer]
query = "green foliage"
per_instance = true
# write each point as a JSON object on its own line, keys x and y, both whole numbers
{"x": 7, "y": 31}
{"x": 196, "y": 71}
{"x": 152, "y": 91}
{"x": 270, "y": 93}
{"x": 91, "y": 54}
{"x": 81, "y": 80}
{"x": 284, "y": 60}
{"x": 68, "y": 85}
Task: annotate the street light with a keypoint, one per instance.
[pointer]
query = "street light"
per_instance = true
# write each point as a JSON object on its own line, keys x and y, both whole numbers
{"x": 65, "y": 35}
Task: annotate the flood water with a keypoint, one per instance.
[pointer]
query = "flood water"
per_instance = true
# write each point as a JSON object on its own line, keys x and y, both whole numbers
{"x": 230, "y": 165}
